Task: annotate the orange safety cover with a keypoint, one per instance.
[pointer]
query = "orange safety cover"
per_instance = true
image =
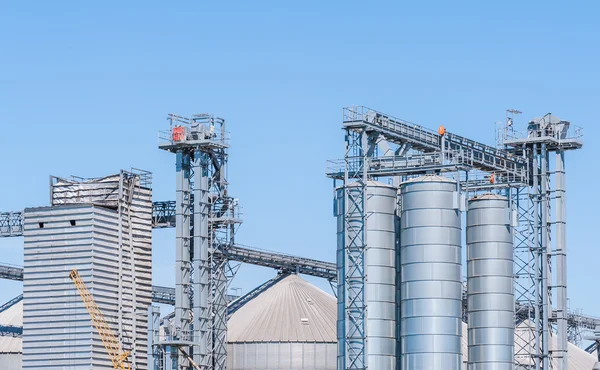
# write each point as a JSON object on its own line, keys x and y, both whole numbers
{"x": 178, "y": 133}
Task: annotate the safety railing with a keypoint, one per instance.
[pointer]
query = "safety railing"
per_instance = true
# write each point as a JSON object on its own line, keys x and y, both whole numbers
{"x": 11, "y": 223}
{"x": 201, "y": 128}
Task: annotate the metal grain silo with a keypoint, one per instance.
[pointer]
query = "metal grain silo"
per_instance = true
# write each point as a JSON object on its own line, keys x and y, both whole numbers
{"x": 490, "y": 297}
{"x": 430, "y": 274}
{"x": 380, "y": 261}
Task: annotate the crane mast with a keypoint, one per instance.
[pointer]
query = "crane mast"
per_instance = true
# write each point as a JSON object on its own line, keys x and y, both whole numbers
{"x": 109, "y": 339}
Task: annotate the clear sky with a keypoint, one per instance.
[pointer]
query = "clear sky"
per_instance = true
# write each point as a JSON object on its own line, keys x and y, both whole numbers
{"x": 85, "y": 87}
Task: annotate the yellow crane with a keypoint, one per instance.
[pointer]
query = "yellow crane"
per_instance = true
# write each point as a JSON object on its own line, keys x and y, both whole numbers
{"x": 110, "y": 341}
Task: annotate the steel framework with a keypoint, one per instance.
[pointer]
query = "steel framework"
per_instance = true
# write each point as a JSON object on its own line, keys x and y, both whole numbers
{"x": 351, "y": 267}
{"x": 11, "y": 223}
{"x": 206, "y": 221}
{"x": 381, "y": 146}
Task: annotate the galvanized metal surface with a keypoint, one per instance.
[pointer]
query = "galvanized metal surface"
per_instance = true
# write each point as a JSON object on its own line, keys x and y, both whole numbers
{"x": 10, "y": 361}
{"x": 381, "y": 276}
{"x": 281, "y": 356}
{"x": 578, "y": 358}
{"x": 490, "y": 297}
{"x": 561, "y": 262}
{"x": 341, "y": 273}
{"x": 291, "y": 325}
{"x": 430, "y": 275}
{"x": 11, "y": 346}
{"x": 292, "y": 310}
{"x": 380, "y": 262}
{"x": 183, "y": 265}
{"x": 58, "y": 239}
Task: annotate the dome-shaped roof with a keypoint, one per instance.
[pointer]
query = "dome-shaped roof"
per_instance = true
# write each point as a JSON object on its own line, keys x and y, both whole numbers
{"x": 488, "y": 197}
{"x": 11, "y": 316}
{"x": 292, "y": 310}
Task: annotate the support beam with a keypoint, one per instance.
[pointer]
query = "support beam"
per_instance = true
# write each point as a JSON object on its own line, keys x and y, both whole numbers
{"x": 561, "y": 262}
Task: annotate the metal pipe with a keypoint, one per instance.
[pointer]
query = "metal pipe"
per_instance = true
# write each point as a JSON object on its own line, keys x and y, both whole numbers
{"x": 153, "y": 337}
{"x": 200, "y": 260}
{"x": 120, "y": 256}
{"x": 561, "y": 262}
{"x": 544, "y": 245}
{"x": 132, "y": 260}
{"x": 536, "y": 253}
{"x": 182, "y": 251}
{"x": 340, "y": 263}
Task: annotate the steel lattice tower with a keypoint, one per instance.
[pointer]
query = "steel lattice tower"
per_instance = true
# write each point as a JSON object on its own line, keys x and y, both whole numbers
{"x": 543, "y": 301}
{"x": 352, "y": 346}
{"x": 206, "y": 222}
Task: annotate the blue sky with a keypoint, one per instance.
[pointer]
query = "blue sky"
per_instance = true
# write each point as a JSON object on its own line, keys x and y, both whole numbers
{"x": 84, "y": 89}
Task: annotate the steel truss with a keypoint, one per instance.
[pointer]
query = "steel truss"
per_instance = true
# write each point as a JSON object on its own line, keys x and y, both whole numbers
{"x": 351, "y": 270}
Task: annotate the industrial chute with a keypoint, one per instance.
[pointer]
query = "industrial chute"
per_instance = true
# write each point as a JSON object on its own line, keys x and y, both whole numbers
{"x": 109, "y": 339}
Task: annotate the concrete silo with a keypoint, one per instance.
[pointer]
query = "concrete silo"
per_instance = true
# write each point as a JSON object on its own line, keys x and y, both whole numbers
{"x": 430, "y": 274}
{"x": 380, "y": 271}
{"x": 490, "y": 296}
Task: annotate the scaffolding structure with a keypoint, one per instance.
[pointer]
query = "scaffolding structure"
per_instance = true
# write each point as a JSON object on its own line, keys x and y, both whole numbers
{"x": 206, "y": 219}
{"x": 379, "y": 146}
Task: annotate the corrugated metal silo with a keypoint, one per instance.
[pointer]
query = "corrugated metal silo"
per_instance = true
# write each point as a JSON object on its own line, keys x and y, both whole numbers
{"x": 380, "y": 260}
{"x": 490, "y": 297}
{"x": 289, "y": 326}
{"x": 430, "y": 274}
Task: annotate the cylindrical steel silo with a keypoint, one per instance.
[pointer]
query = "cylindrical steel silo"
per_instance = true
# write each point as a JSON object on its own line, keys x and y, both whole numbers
{"x": 430, "y": 274}
{"x": 490, "y": 297}
{"x": 380, "y": 262}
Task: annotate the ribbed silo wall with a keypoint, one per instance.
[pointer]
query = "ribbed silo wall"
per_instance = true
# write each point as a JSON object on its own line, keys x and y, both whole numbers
{"x": 340, "y": 262}
{"x": 10, "y": 361}
{"x": 380, "y": 261}
{"x": 430, "y": 275}
{"x": 490, "y": 297}
{"x": 281, "y": 356}
{"x": 87, "y": 237}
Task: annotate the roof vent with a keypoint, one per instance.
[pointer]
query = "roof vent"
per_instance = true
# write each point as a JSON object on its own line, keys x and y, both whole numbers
{"x": 310, "y": 301}
{"x": 304, "y": 321}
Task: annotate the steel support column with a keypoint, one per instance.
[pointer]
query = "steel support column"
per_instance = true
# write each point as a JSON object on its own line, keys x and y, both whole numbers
{"x": 561, "y": 263}
{"x": 537, "y": 276}
{"x": 183, "y": 312}
{"x": 219, "y": 326}
{"x": 545, "y": 240}
{"x": 153, "y": 337}
{"x": 200, "y": 260}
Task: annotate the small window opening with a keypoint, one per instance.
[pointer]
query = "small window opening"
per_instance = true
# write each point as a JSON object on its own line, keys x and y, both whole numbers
{"x": 41, "y": 225}
{"x": 304, "y": 321}
{"x": 73, "y": 222}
